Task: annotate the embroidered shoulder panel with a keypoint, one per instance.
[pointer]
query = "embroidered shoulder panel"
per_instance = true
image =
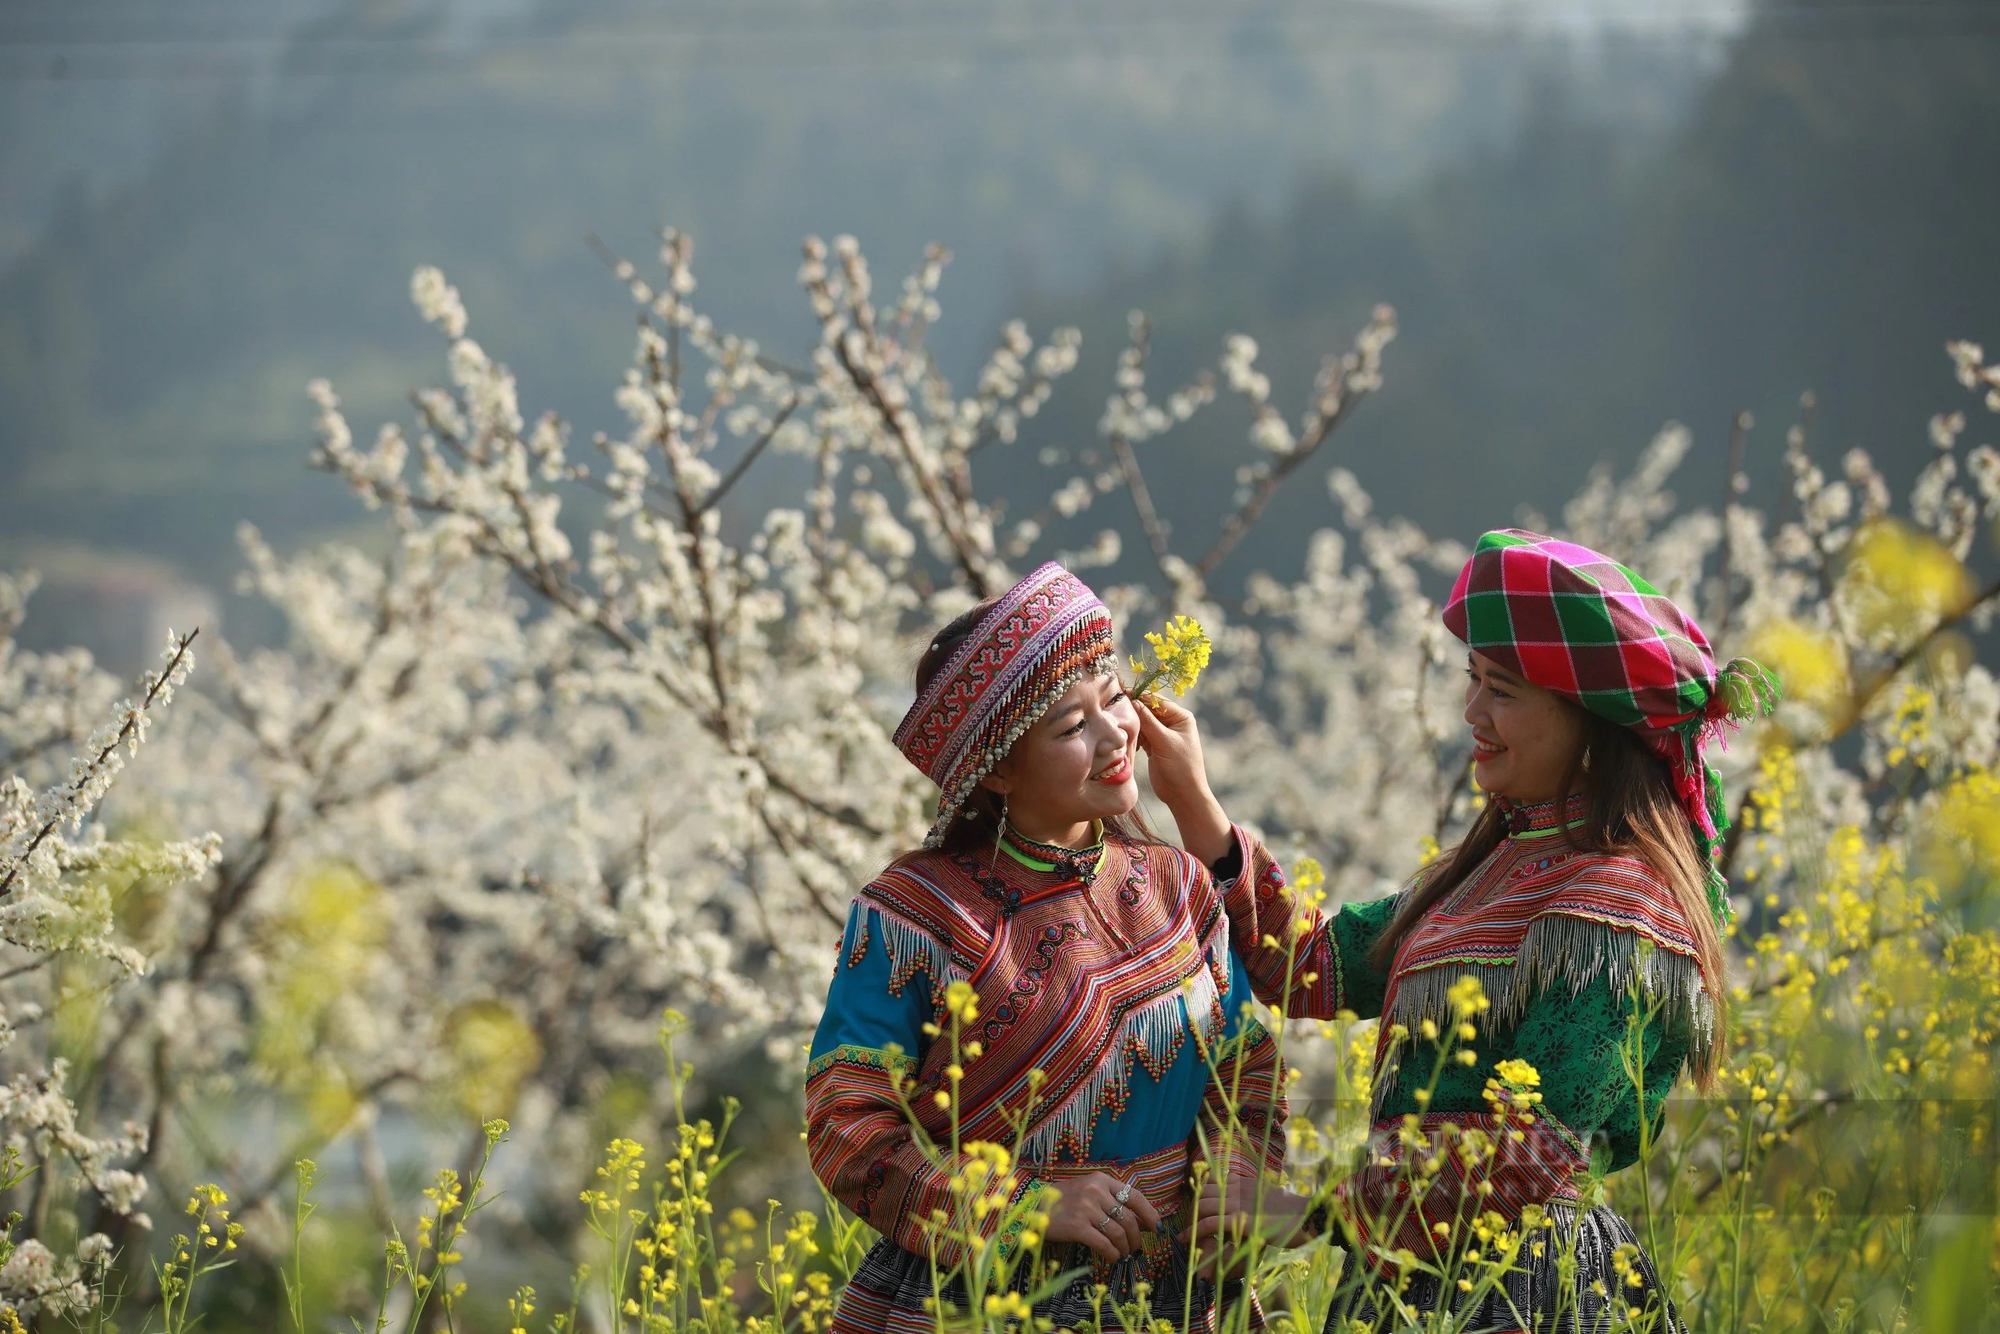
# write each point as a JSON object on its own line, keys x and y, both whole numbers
{"x": 1485, "y": 918}
{"x": 1078, "y": 982}
{"x": 928, "y": 921}
{"x": 1533, "y": 916}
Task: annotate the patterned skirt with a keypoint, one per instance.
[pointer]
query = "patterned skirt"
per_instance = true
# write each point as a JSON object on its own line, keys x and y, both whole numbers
{"x": 888, "y": 1292}
{"x": 1603, "y": 1296}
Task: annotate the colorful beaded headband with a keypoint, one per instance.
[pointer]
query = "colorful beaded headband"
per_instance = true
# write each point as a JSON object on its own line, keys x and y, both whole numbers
{"x": 1043, "y": 636}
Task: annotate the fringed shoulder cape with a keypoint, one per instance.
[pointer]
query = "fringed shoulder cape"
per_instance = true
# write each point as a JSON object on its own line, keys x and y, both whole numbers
{"x": 1567, "y": 945}
{"x": 1109, "y": 970}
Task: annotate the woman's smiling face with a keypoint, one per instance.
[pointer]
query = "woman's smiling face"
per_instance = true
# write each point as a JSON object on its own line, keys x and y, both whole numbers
{"x": 1075, "y": 765}
{"x": 1523, "y": 737}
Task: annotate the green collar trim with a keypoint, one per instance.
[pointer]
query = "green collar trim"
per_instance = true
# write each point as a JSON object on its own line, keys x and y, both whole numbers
{"x": 1047, "y": 857}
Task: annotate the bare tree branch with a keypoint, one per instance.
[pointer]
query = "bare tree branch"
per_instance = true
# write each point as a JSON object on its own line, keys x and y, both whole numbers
{"x": 1734, "y": 484}
{"x": 735, "y": 474}
{"x": 1128, "y": 464}
{"x": 1344, "y": 382}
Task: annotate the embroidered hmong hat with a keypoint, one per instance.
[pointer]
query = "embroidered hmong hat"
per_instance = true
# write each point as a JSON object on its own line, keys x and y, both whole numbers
{"x": 1574, "y": 621}
{"x": 1044, "y": 635}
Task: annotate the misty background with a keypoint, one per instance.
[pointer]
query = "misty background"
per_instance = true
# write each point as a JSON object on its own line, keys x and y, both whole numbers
{"x": 1592, "y": 216}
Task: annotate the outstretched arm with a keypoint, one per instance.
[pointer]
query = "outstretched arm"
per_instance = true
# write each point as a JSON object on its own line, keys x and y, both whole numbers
{"x": 1316, "y": 965}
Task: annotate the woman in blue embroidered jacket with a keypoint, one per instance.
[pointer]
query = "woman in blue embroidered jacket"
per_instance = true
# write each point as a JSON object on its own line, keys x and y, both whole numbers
{"x": 1100, "y": 958}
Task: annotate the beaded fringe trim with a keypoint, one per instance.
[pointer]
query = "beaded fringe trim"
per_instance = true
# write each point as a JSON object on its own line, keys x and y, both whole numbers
{"x": 1559, "y": 949}
{"x": 1158, "y": 1028}
{"x": 911, "y": 950}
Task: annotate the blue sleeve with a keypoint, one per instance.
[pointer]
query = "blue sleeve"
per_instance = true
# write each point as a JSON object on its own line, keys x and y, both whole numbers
{"x": 857, "y": 1135}
{"x": 862, "y": 1014}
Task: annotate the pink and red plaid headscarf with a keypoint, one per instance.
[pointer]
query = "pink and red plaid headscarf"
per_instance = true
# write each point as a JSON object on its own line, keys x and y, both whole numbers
{"x": 1574, "y": 621}
{"x": 1044, "y": 635}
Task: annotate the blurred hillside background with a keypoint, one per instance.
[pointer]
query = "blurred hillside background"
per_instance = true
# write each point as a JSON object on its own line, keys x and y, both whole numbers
{"x": 1593, "y": 216}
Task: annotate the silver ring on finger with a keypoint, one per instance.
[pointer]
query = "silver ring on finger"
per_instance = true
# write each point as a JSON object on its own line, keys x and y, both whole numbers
{"x": 1104, "y": 1222}
{"x": 1124, "y": 1193}
{"x": 1117, "y": 1212}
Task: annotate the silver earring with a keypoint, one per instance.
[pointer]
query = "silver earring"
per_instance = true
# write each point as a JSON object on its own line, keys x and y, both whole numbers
{"x": 999, "y": 833}
{"x": 1586, "y": 759}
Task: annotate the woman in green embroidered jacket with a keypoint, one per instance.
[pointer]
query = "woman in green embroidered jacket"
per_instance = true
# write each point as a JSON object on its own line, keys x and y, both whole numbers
{"x": 1586, "y": 903}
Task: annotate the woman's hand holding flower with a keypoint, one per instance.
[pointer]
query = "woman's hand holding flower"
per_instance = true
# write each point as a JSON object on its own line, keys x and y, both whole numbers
{"x": 1168, "y": 735}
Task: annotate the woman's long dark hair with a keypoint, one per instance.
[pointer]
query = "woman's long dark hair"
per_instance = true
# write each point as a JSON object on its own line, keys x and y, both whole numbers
{"x": 978, "y": 821}
{"x": 1631, "y": 810}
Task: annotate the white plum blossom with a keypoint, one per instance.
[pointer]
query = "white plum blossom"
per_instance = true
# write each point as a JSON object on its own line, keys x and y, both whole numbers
{"x": 438, "y": 301}
{"x": 29, "y": 1272}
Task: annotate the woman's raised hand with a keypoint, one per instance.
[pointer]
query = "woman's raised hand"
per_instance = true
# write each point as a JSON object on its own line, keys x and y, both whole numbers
{"x": 1091, "y": 1213}
{"x": 1172, "y": 742}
